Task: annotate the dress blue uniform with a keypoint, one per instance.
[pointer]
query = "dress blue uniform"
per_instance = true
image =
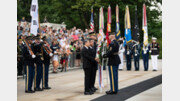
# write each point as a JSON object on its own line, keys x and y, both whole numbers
{"x": 39, "y": 66}
{"x": 128, "y": 53}
{"x": 136, "y": 55}
{"x": 145, "y": 55}
{"x": 113, "y": 63}
{"x": 46, "y": 63}
{"x": 29, "y": 61}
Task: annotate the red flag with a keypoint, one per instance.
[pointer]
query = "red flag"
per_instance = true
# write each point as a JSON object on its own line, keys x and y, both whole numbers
{"x": 108, "y": 26}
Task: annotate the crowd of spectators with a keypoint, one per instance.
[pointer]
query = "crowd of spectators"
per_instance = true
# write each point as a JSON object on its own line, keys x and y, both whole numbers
{"x": 69, "y": 41}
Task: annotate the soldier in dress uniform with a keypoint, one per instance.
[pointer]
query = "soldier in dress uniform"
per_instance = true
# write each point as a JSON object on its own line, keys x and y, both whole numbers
{"x": 20, "y": 59}
{"x": 136, "y": 55}
{"x": 47, "y": 54}
{"x": 28, "y": 54}
{"x": 121, "y": 53}
{"x": 145, "y": 55}
{"x": 128, "y": 53}
{"x": 154, "y": 50}
{"x": 94, "y": 64}
{"x": 113, "y": 63}
{"x": 38, "y": 50}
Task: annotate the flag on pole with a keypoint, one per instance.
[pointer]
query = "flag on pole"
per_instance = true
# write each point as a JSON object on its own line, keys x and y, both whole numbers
{"x": 136, "y": 27}
{"x": 118, "y": 34}
{"x": 100, "y": 40}
{"x": 144, "y": 24}
{"x": 127, "y": 27}
{"x": 34, "y": 17}
{"x": 92, "y": 21}
{"x": 108, "y": 26}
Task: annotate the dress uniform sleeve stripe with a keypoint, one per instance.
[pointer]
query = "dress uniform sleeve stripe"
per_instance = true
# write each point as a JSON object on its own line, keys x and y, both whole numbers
{"x": 112, "y": 78}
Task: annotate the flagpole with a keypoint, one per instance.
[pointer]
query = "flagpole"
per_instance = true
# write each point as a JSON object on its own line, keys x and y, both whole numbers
{"x": 39, "y": 22}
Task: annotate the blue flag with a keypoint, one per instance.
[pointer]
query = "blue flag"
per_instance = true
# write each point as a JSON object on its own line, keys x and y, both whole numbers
{"x": 127, "y": 27}
{"x": 127, "y": 36}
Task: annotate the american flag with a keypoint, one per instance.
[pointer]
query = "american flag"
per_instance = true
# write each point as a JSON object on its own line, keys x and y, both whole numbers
{"x": 92, "y": 21}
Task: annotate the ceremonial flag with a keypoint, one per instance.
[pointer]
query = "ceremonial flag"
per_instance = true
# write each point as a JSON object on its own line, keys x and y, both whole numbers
{"x": 144, "y": 24}
{"x": 100, "y": 40}
{"x": 136, "y": 34}
{"x": 127, "y": 27}
{"x": 108, "y": 26}
{"x": 34, "y": 17}
{"x": 117, "y": 24}
{"x": 92, "y": 21}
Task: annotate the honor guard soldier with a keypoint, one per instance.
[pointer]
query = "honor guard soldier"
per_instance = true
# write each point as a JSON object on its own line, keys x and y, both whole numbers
{"x": 113, "y": 63}
{"x": 38, "y": 63}
{"x": 87, "y": 60}
{"x": 121, "y": 53}
{"x": 92, "y": 48}
{"x": 154, "y": 50}
{"x": 20, "y": 59}
{"x": 136, "y": 55}
{"x": 128, "y": 53}
{"x": 47, "y": 54}
{"x": 145, "y": 55}
{"x": 28, "y": 54}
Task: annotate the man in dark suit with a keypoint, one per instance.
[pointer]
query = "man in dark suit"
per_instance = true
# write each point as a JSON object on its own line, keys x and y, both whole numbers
{"x": 87, "y": 60}
{"x": 92, "y": 49}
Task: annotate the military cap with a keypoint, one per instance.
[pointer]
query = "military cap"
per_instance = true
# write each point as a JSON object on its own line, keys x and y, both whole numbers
{"x": 29, "y": 37}
{"x": 92, "y": 33}
{"x": 112, "y": 33}
{"x": 36, "y": 37}
{"x": 154, "y": 38}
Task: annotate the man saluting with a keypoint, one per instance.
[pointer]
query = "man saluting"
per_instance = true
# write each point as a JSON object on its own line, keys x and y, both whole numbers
{"x": 113, "y": 62}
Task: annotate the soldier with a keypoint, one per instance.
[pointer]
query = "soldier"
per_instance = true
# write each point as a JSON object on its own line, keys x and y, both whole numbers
{"x": 136, "y": 55}
{"x": 154, "y": 50}
{"x": 113, "y": 62}
{"x": 145, "y": 55}
{"x": 20, "y": 59}
{"x": 47, "y": 54}
{"x": 121, "y": 53}
{"x": 28, "y": 54}
{"x": 87, "y": 60}
{"x": 128, "y": 53}
{"x": 38, "y": 61}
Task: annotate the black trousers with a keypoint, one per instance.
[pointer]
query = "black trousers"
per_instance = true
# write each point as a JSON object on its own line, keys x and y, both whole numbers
{"x": 128, "y": 62}
{"x": 87, "y": 79}
{"x": 20, "y": 67}
{"x": 93, "y": 75}
{"x": 136, "y": 62}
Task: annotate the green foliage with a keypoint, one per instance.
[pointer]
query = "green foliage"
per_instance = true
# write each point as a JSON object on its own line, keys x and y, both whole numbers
{"x": 77, "y": 13}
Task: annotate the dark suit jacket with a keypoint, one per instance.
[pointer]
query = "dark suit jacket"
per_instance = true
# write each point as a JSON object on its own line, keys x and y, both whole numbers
{"x": 87, "y": 58}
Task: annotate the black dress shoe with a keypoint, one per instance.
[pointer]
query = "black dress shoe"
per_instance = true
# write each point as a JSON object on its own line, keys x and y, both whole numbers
{"x": 114, "y": 92}
{"x": 109, "y": 92}
{"x": 30, "y": 91}
{"x": 38, "y": 89}
{"x": 154, "y": 70}
{"x": 87, "y": 93}
{"x": 95, "y": 88}
{"x": 92, "y": 90}
{"x": 47, "y": 88}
